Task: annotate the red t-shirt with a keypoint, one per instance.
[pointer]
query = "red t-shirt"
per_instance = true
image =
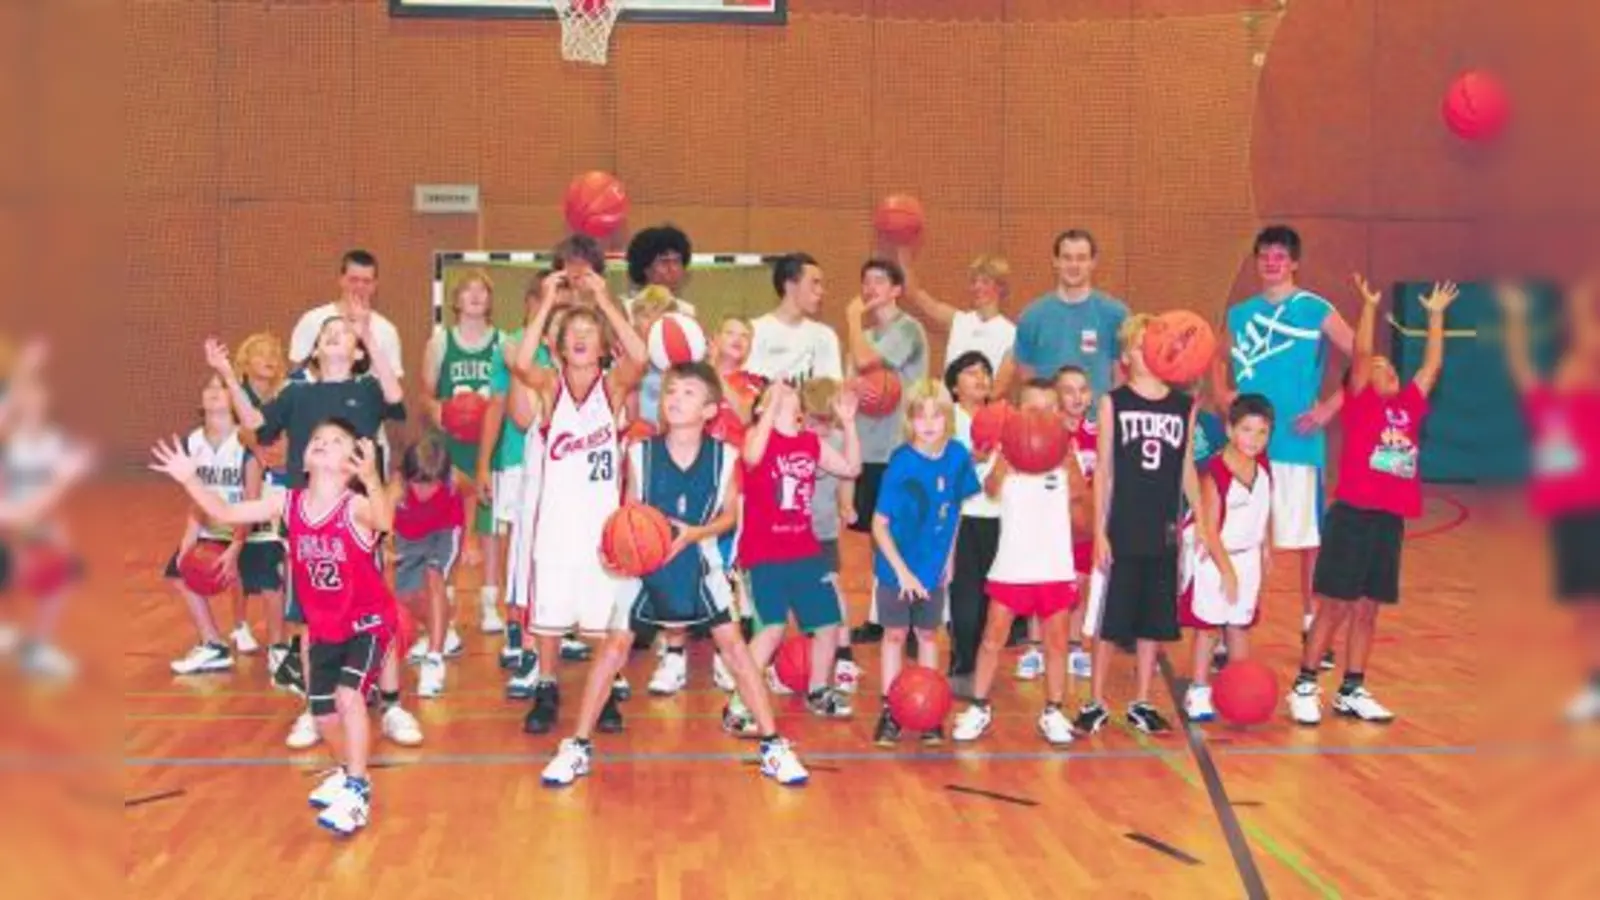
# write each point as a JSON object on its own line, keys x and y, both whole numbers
{"x": 416, "y": 518}
{"x": 1378, "y": 467}
{"x": 337, "y": 581}
{"x": 777, "y": 501}
{"x": 1564, "y": 431}
{"x": 1087, "y": 437}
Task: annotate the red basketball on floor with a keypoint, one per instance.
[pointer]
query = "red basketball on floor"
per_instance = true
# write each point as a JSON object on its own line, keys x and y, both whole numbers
{"x": 462, "y": 416}
{"x": 1179, "y": 346}
{"x": 1033, "y": 441}
{"x": 920, "y": 698}
{"x": 793, "y": 663}
{"x": 596, "y": 204}
{"x": 1245, "y": 692}
{"x": 898, "y": 219}
{"x": 879, "y": 390}
{"x": 198, "y": 569}
{"x": 1476, "y": 106}
{"x": 636, "y": 539}
{"x": 988, "y": 424}
{"x": 43, "y": 569}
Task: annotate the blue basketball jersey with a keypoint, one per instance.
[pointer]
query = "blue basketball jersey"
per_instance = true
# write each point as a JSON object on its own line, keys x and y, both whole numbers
{"x": 677, "y": 591}
{"x": 1278, "y": 352}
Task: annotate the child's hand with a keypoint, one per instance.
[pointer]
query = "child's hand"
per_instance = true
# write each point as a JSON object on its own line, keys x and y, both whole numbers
{"x": 484, "y": 484}
{"x": 594, "y": 284}
{"x": 1369, "y": 293}
{"x": 844, "y": 406}
{"x": 848, "y": 514}
{"x": 1102, "y": 551}
{"x": 217, "y": 357}
{"x": 365, "y": 461}
{"x": 1513, "y": 300}
{"x": 173, "y": 460}
{"x": 1314, "y": 419}
{"x": 681, "y": 539}
{"x": 226, "y": 568}
{"x": 1444, "y": 293}
{"x": 911, "y": 588}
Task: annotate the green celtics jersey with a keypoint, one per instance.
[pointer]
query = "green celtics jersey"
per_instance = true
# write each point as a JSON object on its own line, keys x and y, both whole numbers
{"x": 463, "y": 370}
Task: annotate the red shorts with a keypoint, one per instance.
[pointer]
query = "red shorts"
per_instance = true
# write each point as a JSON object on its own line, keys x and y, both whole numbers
{"x": 1083, "y": 556}
{"x": 1042, "y": 600}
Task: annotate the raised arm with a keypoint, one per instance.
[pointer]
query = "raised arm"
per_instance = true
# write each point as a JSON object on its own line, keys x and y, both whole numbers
{"x": 862, "y": 354}
{"x": 382, "y": 367}
{"x": 934, "y": 310}
{"x": 172, "y": 459}
{"x": 1223, "y": 388}
{"x": 374, "y": 512}
{"x": 243, "y": 407}
{"x": 1365, "y": 336}
{"x": 848, "y": 463}
{"x": 760, "y": 434}
{"x": 1514, "y": 317}
{"x": 1435, "y": 303}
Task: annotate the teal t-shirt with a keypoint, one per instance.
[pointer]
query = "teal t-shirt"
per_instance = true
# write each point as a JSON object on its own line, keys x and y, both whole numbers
{"x": 1279, "y": 352}
{"x": 508, "y": 452}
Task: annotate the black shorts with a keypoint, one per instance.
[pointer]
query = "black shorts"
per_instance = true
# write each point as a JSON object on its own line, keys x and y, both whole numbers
{"x": 260, "y": 568}
{"x": 1141, "y": 599}
{"x": 1575, "y": 548}
{"x": 867, "y": 495}
{"x": 354, "y": 664}
{"x": 1360, "y": 555}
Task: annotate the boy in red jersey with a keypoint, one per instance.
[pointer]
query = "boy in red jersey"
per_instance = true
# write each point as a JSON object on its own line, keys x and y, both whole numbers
{"x": 1564, "y": 428}
{"x": 1379, "y": 489}
{"x": 350, "y": 613}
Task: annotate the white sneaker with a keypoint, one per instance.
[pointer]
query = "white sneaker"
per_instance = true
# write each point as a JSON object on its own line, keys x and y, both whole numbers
{"x": 1080, "y": 663}
{"x": 973, "y": 723}
{"x": 48, "y": 661}
{"x": 671, "y": 675}
{"x": 737, "y": 720}
{"x": 452, "y": 643}
{"x": 328, "y": 789}
{"x": 777, "y": 687}
{"x": 243, "y": 640}
{"x": 721, "y": 675}
{"x": 1585, "y": 707}
{"x": 570, "y": 764}
{"x": 524, "y": 679}
{"x": 1031, "y": 665}
{"x": 621, "y": 688}
{"x": 275, "y": 658}
{"x": 846, "y": 676}
{"x": 419, "y": 650}
{"x": 779, "y": 763}
{"x": 347, "y": 814}
{"x": 303, "y": 733}
{"x": 203, "y": 657}
{"x": 1054, "y": 727}
{"x": 489, "y": 622}
{"x": 401, "y": 727}
{"x": 1360, "y": 704}
{"x": 1197, "y": 703}
{"x": 1305, "y": 703}
{"x": 430, "y": 680}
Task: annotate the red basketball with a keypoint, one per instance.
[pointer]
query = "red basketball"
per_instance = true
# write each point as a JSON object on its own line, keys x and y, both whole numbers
{"x": 745, "y": 386}
{"x": 1245, "y": 692}
{"x": 636, "y": 539}
{"x": 1033, "y": 441}
{"x": 898, "y": 219}
{"x": 198, "y": 569}
{"x": 988, "y": 424}
{"x": 793, "y": 663}
{"x": 920, "y": 698}
{"x": 1179, "y": 346}
{"x": 462, "y": 416}
{"x": 596, "y": 204}
{"x": 1476, "y": 106}
{"x": 879, "y": 390}
{"x": 727, "y": 427}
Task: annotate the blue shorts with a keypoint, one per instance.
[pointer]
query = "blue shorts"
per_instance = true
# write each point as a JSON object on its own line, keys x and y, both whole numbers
{"x": 800, "y": 586}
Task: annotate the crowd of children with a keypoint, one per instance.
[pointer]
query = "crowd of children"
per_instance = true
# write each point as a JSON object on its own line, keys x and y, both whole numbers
{"x": 1096, "y": 548}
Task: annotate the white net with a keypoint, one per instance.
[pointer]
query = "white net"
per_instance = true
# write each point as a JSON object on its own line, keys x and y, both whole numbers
{"x": 586, "y": 28}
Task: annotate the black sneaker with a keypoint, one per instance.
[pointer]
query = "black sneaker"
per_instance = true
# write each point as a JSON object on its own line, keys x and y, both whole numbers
{"x": 1144, "y": 717}
{"x": 574, "y": 650}
{"x": 610, "y": 721}
{"x": 1091, "y": 717}
{"x": 866, "y": 633}
{"x": 546, "y": 705}
{"x": 933, "y": 737}
{"x": 829, "y": 703}
{"x": 523, "y": 684}
{"x": 512, "y": 654}
{"x": 290, "y": 674}
{"x": 887, "y": 733}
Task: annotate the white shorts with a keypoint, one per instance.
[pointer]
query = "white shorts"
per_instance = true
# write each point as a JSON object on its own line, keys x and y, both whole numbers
{"x": 1210, "y": 605}
{"x": 1296, "y": 506}
{"x": 584, "y": 596}
{"x": 507, "y": 496}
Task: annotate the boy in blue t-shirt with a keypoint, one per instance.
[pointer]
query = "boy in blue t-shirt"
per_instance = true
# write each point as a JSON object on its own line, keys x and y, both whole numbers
{"x": 914, "y": 535}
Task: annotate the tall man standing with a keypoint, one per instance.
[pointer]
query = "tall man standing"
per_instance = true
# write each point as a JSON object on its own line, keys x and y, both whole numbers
{"x": 1075, "y": 324}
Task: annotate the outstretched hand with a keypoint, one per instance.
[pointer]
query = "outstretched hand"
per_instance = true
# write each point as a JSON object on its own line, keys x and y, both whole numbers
{"x": 1444, "y": 293}
{"x": 172, "y": 459}
{"x": 1368, "y": 293}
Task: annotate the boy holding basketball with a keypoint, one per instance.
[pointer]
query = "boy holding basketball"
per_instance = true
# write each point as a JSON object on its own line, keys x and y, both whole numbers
{"x": 1145, "y": 467}
{"x": 690, "y": 478}
{"x": 1379, "y": 488}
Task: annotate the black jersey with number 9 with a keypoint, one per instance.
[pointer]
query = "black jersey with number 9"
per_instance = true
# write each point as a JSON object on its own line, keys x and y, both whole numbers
{"x": 1150, "y": 439}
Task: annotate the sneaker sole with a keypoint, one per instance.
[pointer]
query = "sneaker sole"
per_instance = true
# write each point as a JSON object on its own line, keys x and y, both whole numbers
{"x": 205, "y": 670}
{"x": 1046, "y": 737}
{"x": 336, "y": 830}
{"x": 1352, "y": 714}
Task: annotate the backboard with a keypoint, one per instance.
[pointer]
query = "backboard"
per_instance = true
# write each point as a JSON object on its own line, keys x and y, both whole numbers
{"x": 753, "y": 12}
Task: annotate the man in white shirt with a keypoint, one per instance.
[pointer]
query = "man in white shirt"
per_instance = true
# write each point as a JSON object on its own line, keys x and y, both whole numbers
{"x": 789, "y": 343}
{"x": 358, "y": 282}
{"x": 982, "y": 328}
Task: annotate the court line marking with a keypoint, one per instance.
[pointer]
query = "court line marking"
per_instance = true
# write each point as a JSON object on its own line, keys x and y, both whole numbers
{"x": 1163, "y": 847}
{"x": 992, "y": 795}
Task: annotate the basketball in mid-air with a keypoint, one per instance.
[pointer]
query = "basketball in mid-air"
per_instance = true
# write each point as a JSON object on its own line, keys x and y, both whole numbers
{"x": 1179, "y": 346}
{"x": 988, "y": 424}
{"x": 596, "y": 204}
{"x": 898, "y": 219}
{"x": 1476, "y": 106}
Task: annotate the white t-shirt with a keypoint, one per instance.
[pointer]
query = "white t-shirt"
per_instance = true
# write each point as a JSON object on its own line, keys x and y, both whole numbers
{"x": 979, "y": 505}
{"x": 303, "y": 340}
{"x": 1035, "y": 530}
{"x": 968, "y": 331}
{"x": 808, "y": 349}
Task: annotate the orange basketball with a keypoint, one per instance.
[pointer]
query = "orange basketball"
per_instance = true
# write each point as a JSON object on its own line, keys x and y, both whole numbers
{"x": 1179, "y": 346}
{"x": 198, "y": 569}
{"x": 744, "y": 385}
{"x": 898, "y": 219}
{"x": 596, "y": 204}
{"x": 462, "y": 416}
{"x": 879, "y": 390}
{"x": 793, "y": 663}
{"x": 920, "y": 698}
{"x": 638, "y": 430}
{"x": 988, "y": 425}
{"x": 1245, "y": 692}
{"x": 636, "y": 539}
{"x": 1033, "y": 441}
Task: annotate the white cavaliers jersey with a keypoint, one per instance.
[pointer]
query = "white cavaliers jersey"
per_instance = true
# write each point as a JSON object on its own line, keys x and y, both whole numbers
{"x": 582, "y": 477}
{"x": 1244, "y": 520}
{"x": 1035, "y": 530}
{"x": 219, "y": 467}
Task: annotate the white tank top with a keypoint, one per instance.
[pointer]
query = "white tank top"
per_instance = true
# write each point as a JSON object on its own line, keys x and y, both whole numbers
{"x": 582, "y": 476}
{"x": 220, "y": 468}
{"x": 1035, "y": 530}
{"x": 1244, "y": 519}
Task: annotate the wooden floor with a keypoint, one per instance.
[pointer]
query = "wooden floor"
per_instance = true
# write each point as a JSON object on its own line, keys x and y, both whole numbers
{"x": 214, "y": 806}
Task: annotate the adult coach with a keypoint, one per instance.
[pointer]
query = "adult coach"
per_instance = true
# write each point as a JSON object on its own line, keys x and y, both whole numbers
{"x": 358, "y": 284}
{"x": 789, "y": 343}
{"x": 1075, "y": 324}
{"x": 1273, "y": 344}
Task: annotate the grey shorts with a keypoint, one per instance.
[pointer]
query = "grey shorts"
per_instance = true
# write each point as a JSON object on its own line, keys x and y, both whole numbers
{"x": 413, "y": 559}
{"x": 897, "y": 612}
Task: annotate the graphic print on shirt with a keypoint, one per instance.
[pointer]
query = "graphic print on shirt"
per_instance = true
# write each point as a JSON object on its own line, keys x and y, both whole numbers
{"x": 1265, "y": 336}
{"x": 797, "y": 482}
{"x": 1154, "y": 432}
{"x": 582, "y": 474}
{"x": 1395, "y": 454}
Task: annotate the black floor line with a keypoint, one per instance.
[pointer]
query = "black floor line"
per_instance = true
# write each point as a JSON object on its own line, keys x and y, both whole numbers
{"x": 152, "y": 798}
{"x": 1162, "y": 847}
{"x": 1238, "y": 846}
{"x": 992, "y": 795}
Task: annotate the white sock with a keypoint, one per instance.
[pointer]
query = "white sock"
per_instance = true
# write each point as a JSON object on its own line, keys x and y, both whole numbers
{"x": 489, "y": 596}
{"x": 1305, "y": 622}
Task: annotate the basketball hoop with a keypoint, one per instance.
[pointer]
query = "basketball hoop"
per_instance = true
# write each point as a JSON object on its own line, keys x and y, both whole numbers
{"x": 586, "y": 28}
